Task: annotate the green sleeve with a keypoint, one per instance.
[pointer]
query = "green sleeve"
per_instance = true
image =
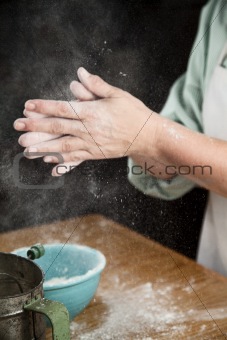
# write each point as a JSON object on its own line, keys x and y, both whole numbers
{"x": 184, "y": 105}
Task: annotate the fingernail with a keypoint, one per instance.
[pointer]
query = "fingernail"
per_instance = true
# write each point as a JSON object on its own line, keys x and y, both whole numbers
{"x": 32, "y": 149}
{"x": 29, "y": 106}
{"x": 20, "y": 141}
{"x": 72, "y": 85}
{"x": 48, "y": 159}
{"x": 19, "y": 125}
{"x": 55, "y": 173}
{"x": 59, "y": 170}
{"x": 83, "y": 72}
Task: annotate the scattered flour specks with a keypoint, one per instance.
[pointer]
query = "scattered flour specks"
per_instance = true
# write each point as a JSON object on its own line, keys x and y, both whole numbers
{"x": 174, "y": 133}
{"x": 122, "y": 74}
{"x": 202, "y": 328}
{"x": 102, "y": 223}
{"x": 188, "y": 289}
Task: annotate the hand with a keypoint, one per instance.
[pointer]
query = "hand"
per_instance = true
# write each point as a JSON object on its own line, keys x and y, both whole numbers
{"x": 31, "y": 138}
{"x": 104, "y": 128}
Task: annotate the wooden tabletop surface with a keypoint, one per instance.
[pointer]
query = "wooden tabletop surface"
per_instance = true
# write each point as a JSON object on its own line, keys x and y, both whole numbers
{"x": 146, "y": 291}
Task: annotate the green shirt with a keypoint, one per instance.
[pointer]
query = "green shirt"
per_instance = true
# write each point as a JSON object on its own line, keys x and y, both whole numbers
{"x": 184, "y": 104}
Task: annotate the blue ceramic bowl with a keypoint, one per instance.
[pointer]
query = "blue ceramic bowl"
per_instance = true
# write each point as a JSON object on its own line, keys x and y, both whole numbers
{"x": 72, "y": 274}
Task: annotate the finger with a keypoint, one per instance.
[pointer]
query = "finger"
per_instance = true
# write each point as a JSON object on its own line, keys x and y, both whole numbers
{"x": 30, "y": 114}
{"x": 61, "y": 145}
{"x": 51, "y": 159}
{"x": 56, "y": 108}
{"x": 31, "y": 138}
{"x": 80, "y": 92}
{"x": 97, "y": 85}
{"x": 55, "y": 126}
{"x": 68, "y": 157}
{"x": 63, "y": 168}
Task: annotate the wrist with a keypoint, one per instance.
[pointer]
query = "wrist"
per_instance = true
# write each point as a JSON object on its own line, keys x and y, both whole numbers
{"x": 150, "y": 137}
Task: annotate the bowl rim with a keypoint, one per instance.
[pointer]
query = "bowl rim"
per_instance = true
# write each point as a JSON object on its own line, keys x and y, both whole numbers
{"x": 77, "y": 279}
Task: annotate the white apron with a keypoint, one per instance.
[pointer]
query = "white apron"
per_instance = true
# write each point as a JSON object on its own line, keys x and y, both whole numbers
{"x": 213, "y": 242}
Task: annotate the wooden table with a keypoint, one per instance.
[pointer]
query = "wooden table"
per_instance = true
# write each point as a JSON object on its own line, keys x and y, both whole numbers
{"x": 146, "y": 291}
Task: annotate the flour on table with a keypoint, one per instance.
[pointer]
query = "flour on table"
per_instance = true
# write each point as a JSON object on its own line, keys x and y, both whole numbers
{"x": 142, "y": 309}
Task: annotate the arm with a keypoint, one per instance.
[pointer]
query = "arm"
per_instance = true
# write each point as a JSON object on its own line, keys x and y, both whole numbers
{"x": 191, "y": 154}
{"x": 184, "y": 104}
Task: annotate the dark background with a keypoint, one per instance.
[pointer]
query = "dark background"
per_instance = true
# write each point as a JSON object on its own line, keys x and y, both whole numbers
{"x": 42, "y": 45}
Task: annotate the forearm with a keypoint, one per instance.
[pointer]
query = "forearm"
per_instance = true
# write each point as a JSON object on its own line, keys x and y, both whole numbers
{"x": 187, "y": 153}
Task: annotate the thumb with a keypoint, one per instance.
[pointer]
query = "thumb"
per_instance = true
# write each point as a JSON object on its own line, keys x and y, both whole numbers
{"x": 97, "y": 85}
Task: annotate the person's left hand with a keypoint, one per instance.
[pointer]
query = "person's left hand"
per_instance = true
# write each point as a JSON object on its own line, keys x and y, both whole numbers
{"x": 92, "y": 129}
{"x": 29, "y": 139}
